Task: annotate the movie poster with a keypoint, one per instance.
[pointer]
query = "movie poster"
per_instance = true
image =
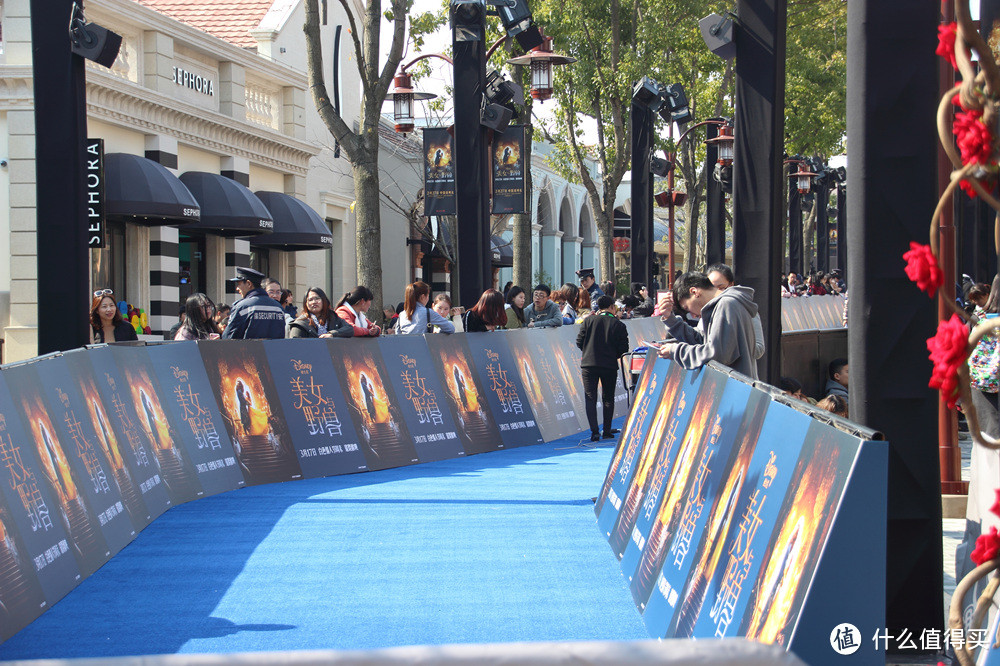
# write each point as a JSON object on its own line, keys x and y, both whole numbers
{"x": 663, "y": 504}
{"x": 651, "y": 383}
{"x": 669, "y": 551}
{"x": 88, "y": 462}
{"x": 567, "y": 358}
{"x": 107, "y": 440}
{"x": 86, "y": 540}
{"x": 422, "y": 398}
{"x": 38, "y": 513}
{"x": 251, "y": 411}
{"x": 554, "y": 412}
{"x": 131, "y": 440}
{"x": 505, "y": 394}
{"x": 745, "y": 547}
{"x": 144, "y": 393}
{"x": 384, "y": 438}
{"x": 21, "y": 596}
{"x": 805, "y": 520}
{"x": 190, "y": 403}
{"x": 318, "y": 417}
{"x": 682, "y": 605}
{"x": 439, "y": 172}
{"x": 660, "y": 448}
{"x": 466, "y": 394}
{"x": 508, "y": 171}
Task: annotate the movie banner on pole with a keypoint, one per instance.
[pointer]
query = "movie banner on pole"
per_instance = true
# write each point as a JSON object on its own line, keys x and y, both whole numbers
{"x": 422, "y": 397}
{"x": 554, "y": 413}
{"x": 107, "y": 440}
{"x": 384, "y": 438}
{"x": 316, "y": 411}
{"x": 662, "y": 443}
{"x": 37, "y": 512}
{"x": 439, "y": 172}
{"x": 248, "y": 400}
{"x": 508, "y": 171}
{"x": 133, "y": 444}
{"x": 466, "y": 394}
{"x": 88, "y": 459}
{"x": 58, "y": 464}
{"x": 190, "y": 403}
{"x": 145, "y": 394}
{"x": 506, "y": 396}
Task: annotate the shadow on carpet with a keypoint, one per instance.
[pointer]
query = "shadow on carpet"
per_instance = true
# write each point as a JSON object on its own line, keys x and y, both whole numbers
{"x": 495, "y": 547}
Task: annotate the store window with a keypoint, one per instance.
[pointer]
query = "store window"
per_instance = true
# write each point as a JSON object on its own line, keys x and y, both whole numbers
{"x": 107, "y": 265}
{"x": 260, "y": 260}
{"x": 191, "y": 256}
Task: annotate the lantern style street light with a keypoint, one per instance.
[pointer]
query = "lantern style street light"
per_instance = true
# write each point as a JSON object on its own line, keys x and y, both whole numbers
{"x": 803, "y": 179}
{"x": 403, "y": 95}
{"x": 725, "y": 143}
{"x": 540, "y": 59}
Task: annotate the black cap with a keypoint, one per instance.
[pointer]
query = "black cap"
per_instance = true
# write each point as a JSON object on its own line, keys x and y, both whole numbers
{"x": 243, "y": 273}
{"x": 585, "y": 273}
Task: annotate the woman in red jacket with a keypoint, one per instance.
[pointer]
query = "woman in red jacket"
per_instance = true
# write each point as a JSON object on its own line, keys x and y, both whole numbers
{"x": 353, "y": 307}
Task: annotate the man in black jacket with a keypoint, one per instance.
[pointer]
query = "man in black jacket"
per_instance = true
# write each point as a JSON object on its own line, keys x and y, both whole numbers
{"x": 602, "y": 339}
{"x": 256, "y": 315}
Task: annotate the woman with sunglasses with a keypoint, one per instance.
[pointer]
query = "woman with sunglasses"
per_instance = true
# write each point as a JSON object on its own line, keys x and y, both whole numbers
{"x": 106, "y": 320}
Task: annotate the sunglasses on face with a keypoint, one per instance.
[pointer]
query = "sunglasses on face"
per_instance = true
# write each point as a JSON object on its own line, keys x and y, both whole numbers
{"x": 103, "y": 292}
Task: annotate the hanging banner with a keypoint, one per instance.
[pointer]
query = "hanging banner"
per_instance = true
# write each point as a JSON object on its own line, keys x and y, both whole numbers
{"x": 422, "y": 397}
{"x": 318, "y": 417}
{"x": 466, "y": 395}
{"x": 191, "y": 404}
{"x": 508, "y": 169}
{"x": 439, "y": 172}
{"x": 246, "y": 395}
{"x": 504, "y": 391}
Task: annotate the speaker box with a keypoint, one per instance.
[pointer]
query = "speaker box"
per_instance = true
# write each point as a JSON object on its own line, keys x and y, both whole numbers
{"x": 496, "y": 117}
{"x": 96, "y": 43}
{"x": 718, "y": 35}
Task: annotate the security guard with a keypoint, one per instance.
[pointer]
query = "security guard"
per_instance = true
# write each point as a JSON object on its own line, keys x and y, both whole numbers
{"x": 587, "y": 281}
{"x": 256, "y": 315}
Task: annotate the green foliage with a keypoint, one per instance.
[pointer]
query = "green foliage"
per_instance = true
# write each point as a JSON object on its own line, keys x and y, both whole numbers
{"x": 541, "y": 277}
{"x": 816, "y": 77}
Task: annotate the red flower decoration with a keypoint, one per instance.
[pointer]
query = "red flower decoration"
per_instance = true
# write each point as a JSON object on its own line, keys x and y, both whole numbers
{"x": 922, "y": 268}
{"x": 947, "y": 34}
{"x": 996, "y": 505}
{"x": 967, "y": 188}
{"x": 987, "y": 547}
{"x": 948, "y": 351}
{"x": 975, "y": 142}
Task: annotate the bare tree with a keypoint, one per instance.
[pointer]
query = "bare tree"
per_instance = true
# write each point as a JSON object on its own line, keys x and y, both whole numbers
{"x": 362, "y": 146}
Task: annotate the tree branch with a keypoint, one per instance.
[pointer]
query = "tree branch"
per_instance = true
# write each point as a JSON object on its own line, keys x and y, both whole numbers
{"x": 355, "y": 38}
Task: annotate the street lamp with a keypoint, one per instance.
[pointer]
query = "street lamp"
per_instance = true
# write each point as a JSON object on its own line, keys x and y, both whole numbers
{"x": 403, "y": 95}
{"x": 540, "y": 59}
{"x": 803, "y": 178}
{"x": 724, "y": 142}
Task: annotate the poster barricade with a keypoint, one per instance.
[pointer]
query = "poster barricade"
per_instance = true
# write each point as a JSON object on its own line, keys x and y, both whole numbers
{"x": 466, "y": 394}
{"x": 504, "y": 391}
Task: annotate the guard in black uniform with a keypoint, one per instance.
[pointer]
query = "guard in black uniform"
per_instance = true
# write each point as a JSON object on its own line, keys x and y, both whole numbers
{"x": 256, "y": 315}
{"x": 587, "y": 281}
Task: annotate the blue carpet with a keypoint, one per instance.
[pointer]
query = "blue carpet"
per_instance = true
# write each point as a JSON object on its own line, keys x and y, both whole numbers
{"x": 491, "y": 548}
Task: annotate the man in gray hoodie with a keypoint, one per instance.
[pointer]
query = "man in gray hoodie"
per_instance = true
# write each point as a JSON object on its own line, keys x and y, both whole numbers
{"x": 542, "y": 312}
{"x": 726, "y": 332}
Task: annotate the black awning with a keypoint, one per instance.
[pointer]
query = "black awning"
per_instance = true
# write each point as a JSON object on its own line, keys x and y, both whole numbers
{"x": 227, "y": 208}
{"x": 503, "y": 252}
{"x": 296, "y": 225}
{"x": 141, "y": 191}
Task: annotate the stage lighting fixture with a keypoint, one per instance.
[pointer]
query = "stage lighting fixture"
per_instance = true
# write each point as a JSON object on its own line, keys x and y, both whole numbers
{"x": 717, "y": 31}
{"x": 647, "y": 93}
{"x": 499, "y": 90}
{"x": 659, "y": 166}
{"x": 675, "y": 108}
{"x": 92, "y": 41}
{"x": 495, "y": 116}
{"x": 517, "y": 21}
